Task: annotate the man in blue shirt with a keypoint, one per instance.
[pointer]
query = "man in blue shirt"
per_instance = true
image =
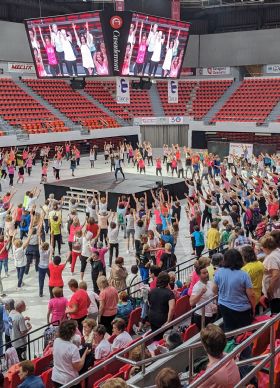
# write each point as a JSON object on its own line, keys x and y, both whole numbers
{"x": 26, "y": 373}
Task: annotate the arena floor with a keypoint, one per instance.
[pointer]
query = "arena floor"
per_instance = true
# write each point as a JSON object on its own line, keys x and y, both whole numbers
{"x": 36, "y": 306}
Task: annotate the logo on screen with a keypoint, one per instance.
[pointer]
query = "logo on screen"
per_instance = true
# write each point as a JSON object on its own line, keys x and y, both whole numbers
{"x": 173, "y": 87}
{"x": 124, "y": 85}
{"x": 116, "y": 22}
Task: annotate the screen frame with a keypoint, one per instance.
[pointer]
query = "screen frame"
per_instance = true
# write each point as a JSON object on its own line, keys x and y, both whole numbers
{"x": 105, "y": 36}
{"x": 185, "y": 49}
{"x": 65, "y": 77}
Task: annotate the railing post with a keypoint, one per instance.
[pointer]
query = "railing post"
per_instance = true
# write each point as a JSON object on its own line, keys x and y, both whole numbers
{"x": 143, "y": 358}
{"x": 272, "y": 361}
{"x": 179, "y": 272}
{"x": 203, "y": 317}
{"x": 28, "y": 347}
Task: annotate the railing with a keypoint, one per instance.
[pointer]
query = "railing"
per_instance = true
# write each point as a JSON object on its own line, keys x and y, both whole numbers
{"x": 34, "y": 346}
{"x": 142, "y": 342}
{"x": 182, "y": 273}
{"x": 260, "y": 328}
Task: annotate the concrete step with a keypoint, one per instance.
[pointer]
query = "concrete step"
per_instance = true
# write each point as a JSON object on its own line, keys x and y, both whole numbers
{"x": 221, "y": 102}
{"x": 118, "y": 119}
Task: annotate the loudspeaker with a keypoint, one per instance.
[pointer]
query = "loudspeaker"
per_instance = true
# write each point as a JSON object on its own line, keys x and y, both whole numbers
{"x": 78, "y": 84}
{"x": 142, "y": 84}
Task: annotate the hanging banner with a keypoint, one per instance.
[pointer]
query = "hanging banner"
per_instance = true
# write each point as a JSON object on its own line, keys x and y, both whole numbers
{"x": 172, "y": 92}
{"x": 175, "y": 10}
{"x": 241, "y": 149}
{"x": 19, "y": 67}
{"x": 123, "y": 93}
{"x": 119, "y": 5}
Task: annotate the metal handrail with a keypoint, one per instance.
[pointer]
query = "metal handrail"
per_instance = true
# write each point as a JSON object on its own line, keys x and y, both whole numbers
{"x": 177, "y": 270}
{"x": 192, "y": 346}
{"x": 264, "y": 359}
{"x": 141, "y": 342}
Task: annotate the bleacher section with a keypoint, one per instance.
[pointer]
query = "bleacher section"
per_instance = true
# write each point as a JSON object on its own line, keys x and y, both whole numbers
{"x": 252, "y": 101}
{"x": 105, "y": 93}
{"x": 21, "y": 110}
{"x": 195, "y": 97}
{"x": 76, "y": 107}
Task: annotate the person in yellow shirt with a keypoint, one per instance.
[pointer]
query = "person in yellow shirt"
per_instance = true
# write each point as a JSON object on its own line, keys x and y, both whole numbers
{"x": 213, "y": 238}
{"x": 254, "y": 268}
{"x": 55, "y": 225}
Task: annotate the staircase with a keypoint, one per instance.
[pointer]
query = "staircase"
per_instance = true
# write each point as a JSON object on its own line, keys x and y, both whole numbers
{"x": 156, "y": 101}
{"x": 60, "y": 116}
{"x": 192, "y": 98}
{"x": 221, "y": 102}
{"x": 118, "y": 119}
{"x": 274, "y": 114}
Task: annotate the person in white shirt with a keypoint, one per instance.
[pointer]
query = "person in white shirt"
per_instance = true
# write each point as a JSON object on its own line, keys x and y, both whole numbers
{"x": 113, "y": 234}
{"x": 122, "y": 337}
{"x": 67, "y": 361}
{"x": 101, "y": 345}
{"x": 201, "y": 292}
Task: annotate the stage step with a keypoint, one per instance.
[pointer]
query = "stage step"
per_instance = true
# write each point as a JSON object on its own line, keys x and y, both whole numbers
{"x": 75, "y": 193}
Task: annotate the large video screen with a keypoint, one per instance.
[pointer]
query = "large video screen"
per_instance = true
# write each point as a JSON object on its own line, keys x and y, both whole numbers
{"x": 68, "y": 46}
{"x": 155, "y": 47}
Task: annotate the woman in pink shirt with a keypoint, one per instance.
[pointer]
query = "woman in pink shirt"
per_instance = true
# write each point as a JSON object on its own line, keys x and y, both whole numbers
{"x": 108, "y": 302}
{"x": 28, "y": 164}
{"x": 57, "y": 306}
{"x": 51, "y": 54}
{"x": 74, "y": 227}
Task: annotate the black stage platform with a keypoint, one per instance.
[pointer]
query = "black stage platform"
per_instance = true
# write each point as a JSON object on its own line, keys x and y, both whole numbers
{"x": 133, "y": 184}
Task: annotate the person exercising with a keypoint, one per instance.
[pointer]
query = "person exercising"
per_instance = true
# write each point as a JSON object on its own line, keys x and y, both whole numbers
{"x": 118, "y": 167}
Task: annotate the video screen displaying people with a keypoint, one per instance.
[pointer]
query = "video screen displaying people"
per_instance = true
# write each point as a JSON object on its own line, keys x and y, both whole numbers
{"x": 155, "y": 47}
{"x": 68, "y": 46}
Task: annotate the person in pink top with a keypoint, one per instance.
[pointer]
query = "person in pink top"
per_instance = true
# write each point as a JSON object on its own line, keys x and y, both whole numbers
{"x": 102, "y": 251}
{"x": 214, "y": 341}
{"x": 202, "y": 261}
{"x": 28, "y": 164}
{"x": 57, "y": 307}
{"x": 158, "y": 166}
{"x": 142, "y": 48}
{"x": 72, "y": 230}
{"x": 11, "y": 173}
{"x": 44, "y": 173}
{"x": 51, "y": 54}
{"x": 78, "y": 156}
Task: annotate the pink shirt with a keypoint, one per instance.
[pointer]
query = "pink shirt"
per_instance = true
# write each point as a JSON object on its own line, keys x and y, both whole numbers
{"x": 73, "y": 230}
{"x": 141, "y": 53}
{"x": 227, "y": 376}
{"x": 194, "y": 280}
{"x": 57, "y": 307}
{"x": 102, "y": 252}
{"x": 51, "y": 55}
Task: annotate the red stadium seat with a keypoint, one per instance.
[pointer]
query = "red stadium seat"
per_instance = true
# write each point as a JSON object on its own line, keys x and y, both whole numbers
{"x": 182, "y": 306}
{"x": 190, "y": 331}
{"x": 134, "y": 319}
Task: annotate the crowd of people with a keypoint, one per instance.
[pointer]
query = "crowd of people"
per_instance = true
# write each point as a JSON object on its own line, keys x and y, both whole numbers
{"x": 232, "y": 212}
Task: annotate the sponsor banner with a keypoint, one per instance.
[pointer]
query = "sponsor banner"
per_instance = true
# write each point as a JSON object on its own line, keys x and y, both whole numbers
{"x": 160, "y": 120}
{"x": 186, "y": 71}
{"x": 241, "y": 149}
{"x": 176, "y": 120}
{"x": 273, "y": 69}
{"x": 123, "y": 94}
{"x": 214, "y": 71}
{"x": 172, "y": 92}
{"x": 19, "y": 67}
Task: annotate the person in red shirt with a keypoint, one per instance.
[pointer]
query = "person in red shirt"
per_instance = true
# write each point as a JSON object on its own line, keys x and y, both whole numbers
{"x": 55, "y": 270}
{"x": 18, "y": 215}
{"x": 78, "y": 304}
{"x": 93, "y": 228}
